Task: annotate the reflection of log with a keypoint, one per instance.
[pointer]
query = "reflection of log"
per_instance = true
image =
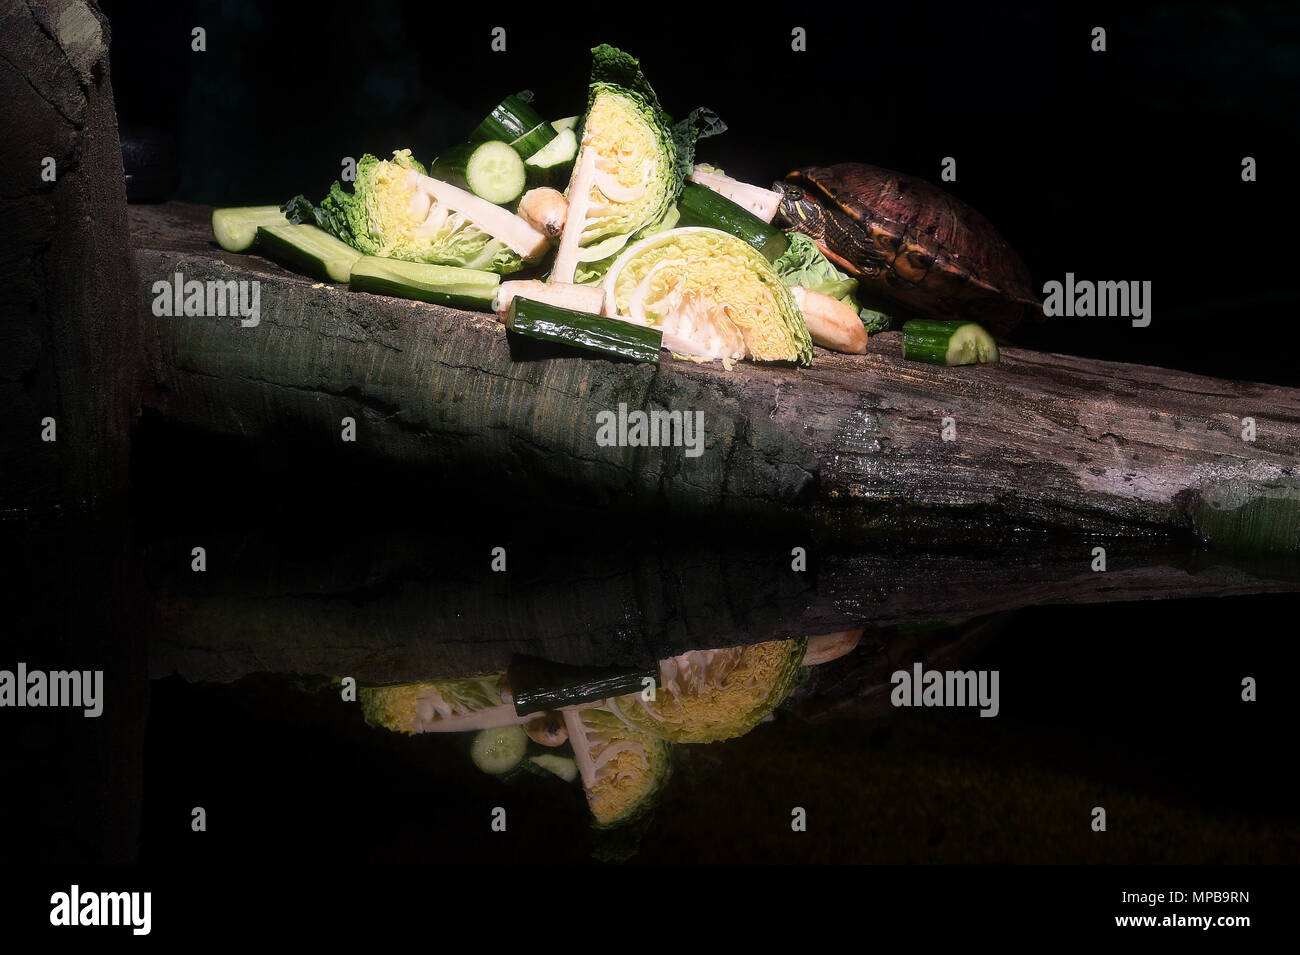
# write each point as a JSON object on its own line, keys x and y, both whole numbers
{"x": 1042, "y": 441}
{"x": 386, "y": 611}
{"x": 858, "y": 684}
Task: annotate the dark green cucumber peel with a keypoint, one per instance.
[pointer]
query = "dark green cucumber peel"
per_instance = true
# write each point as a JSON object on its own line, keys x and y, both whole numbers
{"x": 947, "y": 342}
{"x": 610, "y": 337}
{"x": 538, "y": 684}
{"x": 514, "y": 121}
{"x": 439, "y": 284}
{"x": 701, "y": 206}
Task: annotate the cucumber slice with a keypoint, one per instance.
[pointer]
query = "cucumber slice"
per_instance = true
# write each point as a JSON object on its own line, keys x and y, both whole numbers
{"x": 491, "y": 170}
{"x": 235, "y": 229}
{"x": 497, "y": 751}
{"x": 550, "y": 165}
{"x": 533, "y": 140}
{"x": 948, "y": 343}
{"x": 495, "y": 172}
{"x": 569, "y": 122}
{"x": 562, "y": 766}
{"x": 562, "y": 149}
{"x": 308, "y": 249}
{"x": 441, "y": 284}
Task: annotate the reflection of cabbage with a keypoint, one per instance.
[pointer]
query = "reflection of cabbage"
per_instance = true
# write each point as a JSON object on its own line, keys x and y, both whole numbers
{"x": 622, "y": 770}
{"x": 709, "y": 695}
{"x": 712, "y": 295}
{"x": 438, "y": 706}
{"x": 386, "y": 215}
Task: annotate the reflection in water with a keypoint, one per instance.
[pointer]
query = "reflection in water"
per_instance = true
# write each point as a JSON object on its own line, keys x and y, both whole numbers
{"x": 548, "y": 722}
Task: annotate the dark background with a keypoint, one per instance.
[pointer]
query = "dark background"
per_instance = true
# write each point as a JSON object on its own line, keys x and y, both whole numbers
{"x": 1123, "y": 165}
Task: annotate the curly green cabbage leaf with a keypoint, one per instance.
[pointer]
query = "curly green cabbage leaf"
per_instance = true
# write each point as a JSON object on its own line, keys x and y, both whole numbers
{"x": 389, "y": 215}
{"x": 709, "y": 695}
{"x": 438, "y": 706}
{"x": 623, "y": 770}
{"x": 630, "y": 166}
{"x": 712, "y": 295}
{"x": 803, "y": 263}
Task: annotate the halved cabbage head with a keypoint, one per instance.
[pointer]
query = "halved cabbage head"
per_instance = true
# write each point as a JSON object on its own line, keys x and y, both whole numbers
{"x": 623, "y": 181}
{"x": 439, "y": 706}
{"x": 709, "y": 695}
{"x": 391, "y": 212}
{"x": 713, "y": 296}
{"x": 622, "y": 769}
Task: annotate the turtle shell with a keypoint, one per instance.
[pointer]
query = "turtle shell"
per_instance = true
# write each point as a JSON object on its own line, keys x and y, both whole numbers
{"x": 912, "y": 242}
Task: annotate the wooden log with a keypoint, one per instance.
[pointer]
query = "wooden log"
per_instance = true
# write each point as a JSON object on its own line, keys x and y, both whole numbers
{"x": 1043, "y": 442}
{"x": 69, "y": 327}
{"x": 70, "y": 370}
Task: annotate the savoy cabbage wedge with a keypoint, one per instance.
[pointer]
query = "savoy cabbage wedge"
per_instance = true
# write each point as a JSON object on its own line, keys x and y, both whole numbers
{"x": 395, "y": 211}
{"x": 712, "y": 295}
{"x": 709, "y": 695}
{"x": 623, "y": 769}
{"x": 631, "y": 163}
{"x": 438, "y": 706}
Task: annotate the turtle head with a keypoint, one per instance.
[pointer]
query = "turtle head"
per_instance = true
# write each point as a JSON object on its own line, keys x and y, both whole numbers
{"x": 798, "y": 210}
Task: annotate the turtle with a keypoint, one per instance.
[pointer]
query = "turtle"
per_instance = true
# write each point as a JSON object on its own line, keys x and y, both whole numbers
{"x": 911, "y": 241}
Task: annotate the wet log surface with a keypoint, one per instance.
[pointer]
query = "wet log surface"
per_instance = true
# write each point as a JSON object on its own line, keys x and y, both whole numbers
{"x": 1044, "y": 442}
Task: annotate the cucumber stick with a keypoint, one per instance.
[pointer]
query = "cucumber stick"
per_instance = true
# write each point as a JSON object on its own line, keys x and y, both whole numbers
{"x": 235, "y": 229}
{"x": 947, "y": 343}
{"x": 537, "y": 684}
{"x": 701, "y": 206}
{"x": 560, "y": 766}
{"x": 308, "y": 249}
{"x": 499, "y": 750}
{"x": 610, "y": 337}
{"x": 441, "y": 284}
{"x": 491, "y": 170}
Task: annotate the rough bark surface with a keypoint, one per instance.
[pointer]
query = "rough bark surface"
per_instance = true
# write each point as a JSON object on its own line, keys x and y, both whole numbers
{"x": 1043, "y": 441}
{"x": 69, "y": 322}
